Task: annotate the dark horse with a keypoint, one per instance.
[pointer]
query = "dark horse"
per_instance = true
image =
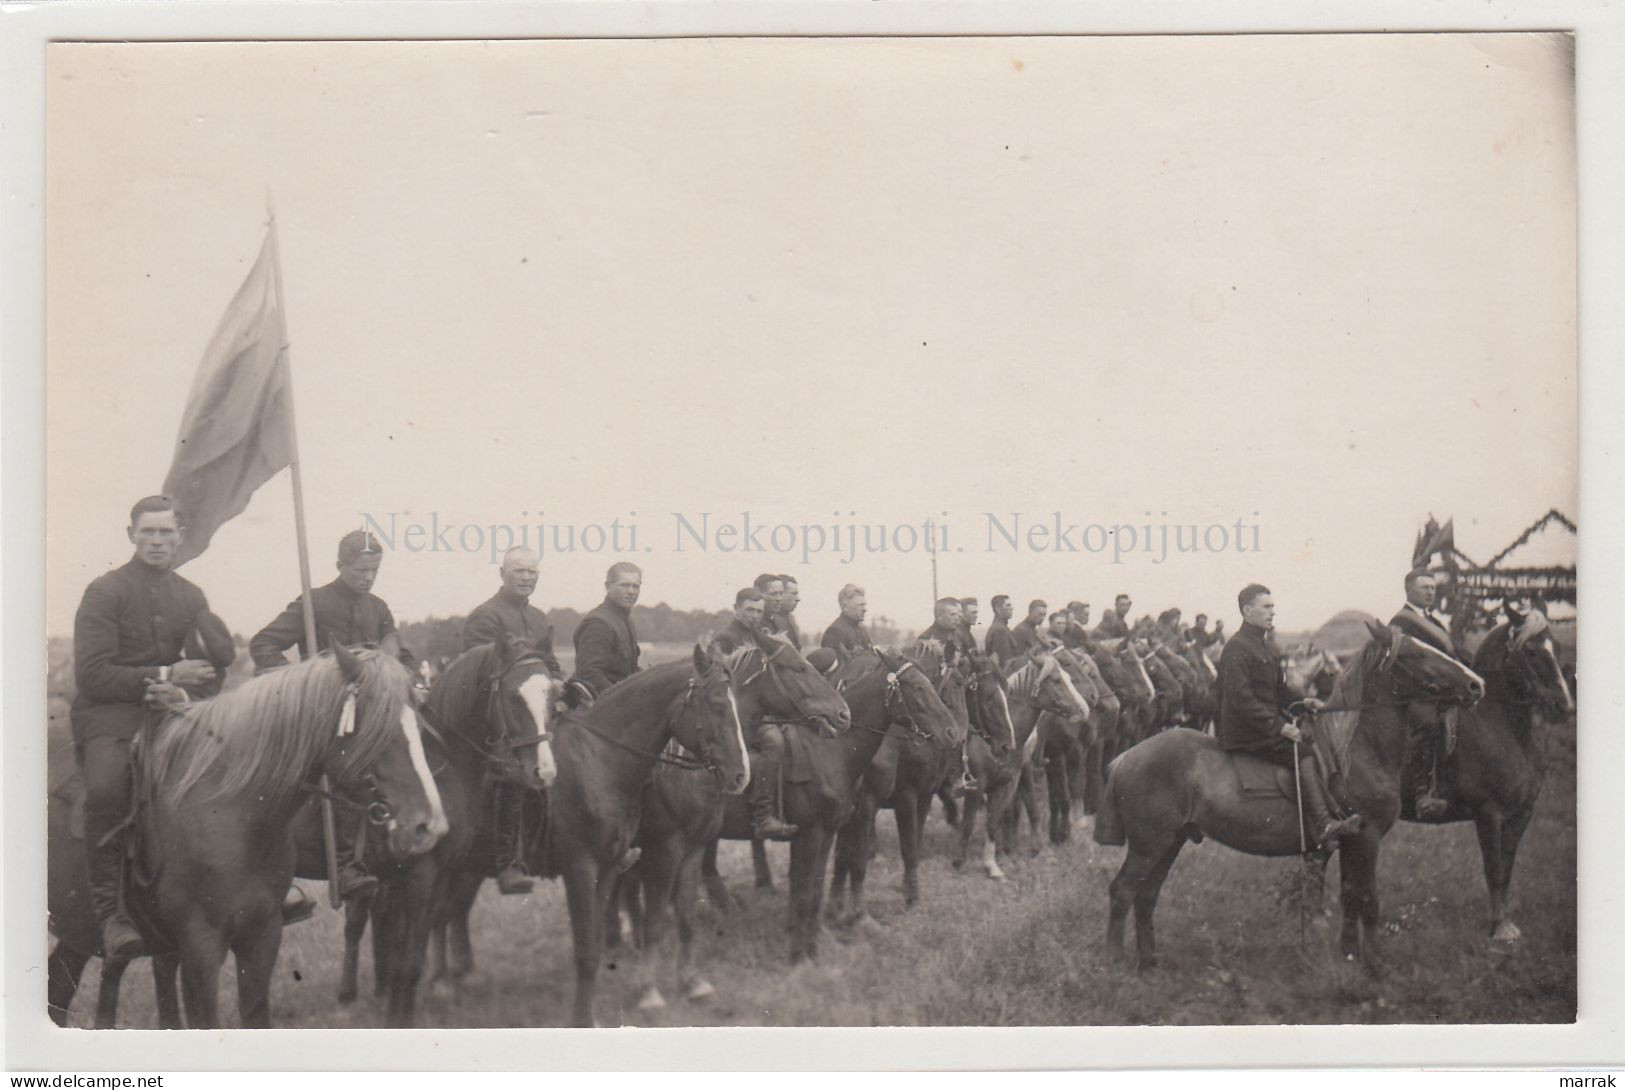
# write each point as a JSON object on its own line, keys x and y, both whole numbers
{"x": 1179, "y": 785}
{"x": 881, "y": 687}
{"x": 974, "y": 691}
{"x": 1495, "y": 772}
{"x": 682, "y": 815}
{"x": 488, "y": 717}
{"x": 220, "y": 783}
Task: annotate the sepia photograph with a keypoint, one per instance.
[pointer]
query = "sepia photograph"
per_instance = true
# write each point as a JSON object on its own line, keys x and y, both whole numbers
{"x": 868, "y": 531}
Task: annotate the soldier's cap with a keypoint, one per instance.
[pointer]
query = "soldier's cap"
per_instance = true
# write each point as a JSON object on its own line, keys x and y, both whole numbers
{"x": 357, "y": 543}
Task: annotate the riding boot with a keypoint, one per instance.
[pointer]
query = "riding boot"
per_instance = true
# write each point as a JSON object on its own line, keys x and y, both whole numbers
{"x": 764, "y": 788}
{"x": 1426, "y": 803}
{"x": 120, "y": 939}
{"x": 1327, "y": 829}
{"x": 354, "y": 881}
{"x": 510, "y": 818}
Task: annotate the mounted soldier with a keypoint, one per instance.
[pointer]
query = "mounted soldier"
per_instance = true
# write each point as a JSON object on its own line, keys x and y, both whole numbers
{"x": 1114, "y": 625}
{"x": 946, "y": 628}
{"x": 1024, "y": 636}
{"x": 846, "y": 633}
{"x": 1060, "y": 623}
{"x": 784, "y": 621}
{"x": 349, "y": 613}
{"x": 968, "y": 610}
{"x": 509, "y": 614}
{"x": 606, "y": 643}
{"x": 1001, "y": 643}
{"x": 1253, "y": 704}
{"x": 1431, "y": 730}
{"x": 746, "y": 629}
{"x": 143, "y": 638}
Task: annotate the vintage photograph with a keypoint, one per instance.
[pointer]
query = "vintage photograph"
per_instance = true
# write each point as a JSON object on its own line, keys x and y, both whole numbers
{"x": 812, "y": 532}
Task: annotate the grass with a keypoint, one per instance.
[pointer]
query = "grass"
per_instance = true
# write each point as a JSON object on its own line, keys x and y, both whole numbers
{"x": 1030, "y": 951}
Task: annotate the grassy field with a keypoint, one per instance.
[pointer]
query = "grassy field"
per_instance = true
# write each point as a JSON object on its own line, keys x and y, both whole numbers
{"x": 1030, "y": 951}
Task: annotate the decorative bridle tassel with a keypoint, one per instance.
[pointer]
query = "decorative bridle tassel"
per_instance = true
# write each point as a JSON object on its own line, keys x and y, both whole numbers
{"x": 347, "y": 715}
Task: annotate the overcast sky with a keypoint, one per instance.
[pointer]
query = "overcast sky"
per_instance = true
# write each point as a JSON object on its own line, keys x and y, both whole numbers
{"x": 1329, "y": 280}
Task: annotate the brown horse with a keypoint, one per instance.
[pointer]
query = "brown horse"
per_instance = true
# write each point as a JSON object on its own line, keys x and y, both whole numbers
{"x": 488, "y": 714}
{"x": 682, "y": 816}
{"x": 1065, "y": 743}
{"x": 1180, "y": 786}
{"x": 881, "y": 687}
{"x": 1494, "y": 775}
{"x": 222, "y": 780}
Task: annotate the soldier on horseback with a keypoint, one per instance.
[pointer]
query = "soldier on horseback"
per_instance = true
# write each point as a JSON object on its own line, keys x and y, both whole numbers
{"x": 1429, "y": 727}
{"x": 143, "y": 637}
{"x": 968, "y": 610}
{"x": 1114, "y": 625}
{"x": 1001, "y": 642}
{"x": 846, "y": 632}
{"x": 508, "y": 612}
{"x": 746, "y": 629}
{"x": 1025, "y": 635}
{"x": 946, "y": 629}
{"x": 1252, "y": 711}
{"x": 347, "y": 612}
{"x": 606, "y": 643}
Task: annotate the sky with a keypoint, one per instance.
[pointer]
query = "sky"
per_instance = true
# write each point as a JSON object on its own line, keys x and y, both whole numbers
{"x": 1322, "y": 286}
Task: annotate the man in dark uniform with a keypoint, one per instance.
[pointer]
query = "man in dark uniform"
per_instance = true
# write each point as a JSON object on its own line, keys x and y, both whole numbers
{"x": 508, "y": 613}
{"x": 771, "y": 588}
{"x": 1060, "y": 623}
{"x": 746, "y": 629}
{"x": 1429, "y": 728}
{"x": 784, "y": 620}
{"x": 1114, "y": 625}
{"x": 945, "y": 627}
{"x": 1025, "y": 635}
{"x": 846, "y": 633}
{"x": 1253, "y": 698}
{"x": 1199, "y": 634}
{"x": 969, "y": 608}
{"x": 606, "y": 643}
{"x": 347, "y": 611}
{"x": 1001, "y": 644}
{"x": 129, "y": 649}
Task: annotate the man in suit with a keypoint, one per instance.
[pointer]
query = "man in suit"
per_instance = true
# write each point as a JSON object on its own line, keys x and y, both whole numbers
{"x": 846, "y": 633}
{"x": 1253, "y": 698}
{"x": 1430, "y": 729}
{"x": 509, "y": 614}
{"x": 130, "y": 652}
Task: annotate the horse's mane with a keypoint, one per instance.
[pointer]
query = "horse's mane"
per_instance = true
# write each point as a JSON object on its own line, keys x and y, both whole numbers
{"x": 1491, "y": 654}
{"x": 263, "y": 737}
{"x": 635, "y": 686}
{"x": 859, "y": 666}
{"x": 928, "y": 655}
{"x": 462, "y": 681}
{"x": 1348, "y": 692}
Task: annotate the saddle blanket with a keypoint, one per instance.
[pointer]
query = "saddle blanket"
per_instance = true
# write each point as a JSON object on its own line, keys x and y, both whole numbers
{"x": 1263, "y": 780}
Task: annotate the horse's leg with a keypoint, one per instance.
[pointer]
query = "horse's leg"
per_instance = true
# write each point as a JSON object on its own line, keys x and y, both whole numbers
{"x": 256, "y": 952}
{"x": 165, "y": 966}
{"x": 356, "y": 911}
{"x": 1145, "y": 904}
{"x": 1124, "y": 889}
{"x": 967, "y": 824}
{"x": 655, "y": 885}
{"x": 759, "y": 864}
{"x": 107, "y": 994}
{"x": 716, "y": 890}
{"x": 465, "y": 889}
{"x": 202, "y": 950}
{"x": 385, "y": 935}
{"x": 1060, "y": 816}
{"x": 863, "y": 826}
{"x": 906, "y": 813}
{"x": 412, "y": 902}
{"x": 806, "y": 889}
{"x": 1357, "y": 858}
{"x": 1498, "y": 838}
{"x": 1029, "y": 803}
{"x": 612, "y": 914}
{"x": 848, "y": 842}
{"x": 587, "y": 930}
{"x": 67, "y": 966}
{"x": 685, "y": 896}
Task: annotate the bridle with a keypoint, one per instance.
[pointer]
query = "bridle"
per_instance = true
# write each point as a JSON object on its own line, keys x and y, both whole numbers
{"x": 707, "y": 761}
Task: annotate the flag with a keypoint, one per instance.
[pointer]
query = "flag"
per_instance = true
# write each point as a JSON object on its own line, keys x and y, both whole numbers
{"x": 1433, "y": 541}
{"x": 236, "y": 433}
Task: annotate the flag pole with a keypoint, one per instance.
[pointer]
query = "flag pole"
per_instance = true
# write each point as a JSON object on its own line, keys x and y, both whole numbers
{"x": 308, "y": 607}
{"x": 932, "y": 540}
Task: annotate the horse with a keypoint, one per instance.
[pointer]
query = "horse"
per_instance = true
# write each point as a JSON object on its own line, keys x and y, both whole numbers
{"x": 1035, "y": 686}
{"x": 682, "y": 815}
{"x": 1143, "y": 705}
{"x": 972, "y": 688}
{"x": 219, "y": 783}
{"x": 881, "y": 687}
{"x": 1066, "y": 743}
{"x": 1312, "y": 672}
{"x": 1179, "y": 786}
{"x": 1494, "y": 774}
{"x": 488, "y": 713}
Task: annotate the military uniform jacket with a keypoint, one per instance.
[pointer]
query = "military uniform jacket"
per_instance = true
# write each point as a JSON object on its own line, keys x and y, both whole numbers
{"x": 1025, "y": 637}
{"x": 130, "y": 622}
{"x": 341, "y": 613}
{"x": 1427, "y": 627}
{"x": 1001, "y": 643}
{"x": 1111, "y": 626}
{"x": 606, "y": 648}
{"x": 845, "y": 634}
{"x": 1253, "y": 693}
{"x": 784, "y": 624}
{"x": 949, "y": 638}
{"x": 503, "y": 614}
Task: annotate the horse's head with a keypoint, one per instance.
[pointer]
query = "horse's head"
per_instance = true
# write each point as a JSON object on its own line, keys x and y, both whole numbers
{"x": 773, "y": 678}
{"x": 1423, "y": 672}
{"x": 1054, "y": 692}
{"x": 953, "y": 684}
{"x": 523, "y": 696}
{"x": 912, "y": 700}
{"x": 988, "y": 702}
{"x": 376, "y": 751}
{"x": 1522, "y": 656}
{"x": 1133, "y": 667}
{"x": 708, "y": 722}
{"x": 1069, "y": 661}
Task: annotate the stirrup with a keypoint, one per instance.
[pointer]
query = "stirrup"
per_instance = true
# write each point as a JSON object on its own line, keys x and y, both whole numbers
{"x": 773, "y": 829}
{"x": 298, "y": 911}
{"x": 512, "y": 879}
{"x": 121, "y": 939}
{"x": 1429, "y": 806}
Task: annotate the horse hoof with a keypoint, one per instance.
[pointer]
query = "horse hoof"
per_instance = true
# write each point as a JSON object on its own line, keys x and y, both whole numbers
{"x": 1507, "y": 933}
{"x": 996, "y": 874}
{"x": 651, "y": 1000}
{"x": 700, "y": 991}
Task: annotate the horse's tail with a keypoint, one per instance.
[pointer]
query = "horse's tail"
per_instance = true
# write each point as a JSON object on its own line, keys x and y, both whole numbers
{"x": 1109, "y": 821}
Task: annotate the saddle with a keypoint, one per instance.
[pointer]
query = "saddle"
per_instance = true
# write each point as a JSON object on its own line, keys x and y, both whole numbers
{"x": 801, "y": 757}
{"x": 1263, "y": 780}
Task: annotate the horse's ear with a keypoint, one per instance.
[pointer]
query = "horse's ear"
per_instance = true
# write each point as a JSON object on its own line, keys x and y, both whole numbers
{"x": 1380, "y": 632}
{"x": 1514, "y": 614}
{"x": 349, "y": 664}
{"x": 702, "y": 661}
{"x": 823, "y": 659}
